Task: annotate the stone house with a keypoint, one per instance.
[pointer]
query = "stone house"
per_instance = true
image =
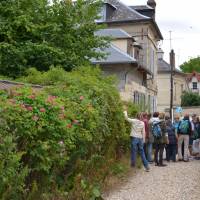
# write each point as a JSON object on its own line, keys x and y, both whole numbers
{"x": 122, "y": 61}
{"x": 139, "y": 22}
{"x": 164, "y": 86}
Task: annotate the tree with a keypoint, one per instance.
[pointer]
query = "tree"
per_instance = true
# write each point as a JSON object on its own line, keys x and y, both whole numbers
{"x": 190, "y": 99}
{"x": 37, "y": 34}
{"x": 192, "y": 65}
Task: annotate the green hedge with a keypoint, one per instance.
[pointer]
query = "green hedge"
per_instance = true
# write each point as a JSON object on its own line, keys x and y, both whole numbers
{"x": 60, "y": 142}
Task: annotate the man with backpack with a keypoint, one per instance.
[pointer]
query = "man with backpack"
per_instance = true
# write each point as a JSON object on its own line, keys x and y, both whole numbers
{"x": 158, "y": 130}
{"x": 184, "y": 131}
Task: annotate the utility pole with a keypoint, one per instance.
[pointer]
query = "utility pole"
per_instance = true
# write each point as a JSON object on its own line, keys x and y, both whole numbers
{"x": 172, "y": 64}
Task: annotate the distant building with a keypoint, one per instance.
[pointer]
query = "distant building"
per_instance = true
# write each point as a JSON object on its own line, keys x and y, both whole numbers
{"x": 139, "y": 23}
{"x": 164, "y": 85}
{"x": 193, "y": 80}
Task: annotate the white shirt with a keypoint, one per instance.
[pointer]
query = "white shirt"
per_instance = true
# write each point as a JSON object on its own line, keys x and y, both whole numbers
{"x": 137, "y": 128}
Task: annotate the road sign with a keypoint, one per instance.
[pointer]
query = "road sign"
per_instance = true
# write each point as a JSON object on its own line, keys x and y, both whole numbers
{"x": 179, "y": 110}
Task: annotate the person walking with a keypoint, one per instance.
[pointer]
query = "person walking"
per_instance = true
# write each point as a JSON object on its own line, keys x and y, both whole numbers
{"x": 172, "y": 137}
{"x": 161, "y": 139}
{"x": 137, "y": 140}
{"x": 196, "y": 141}
{"x": 193, "y": 130}
{"x": 184, "y": 131}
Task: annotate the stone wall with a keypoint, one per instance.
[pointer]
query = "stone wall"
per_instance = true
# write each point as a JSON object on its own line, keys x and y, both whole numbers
{"x": 190, "y": 110}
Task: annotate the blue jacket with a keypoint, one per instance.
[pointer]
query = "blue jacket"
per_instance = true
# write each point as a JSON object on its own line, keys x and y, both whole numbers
{"x": 171, "y": 134}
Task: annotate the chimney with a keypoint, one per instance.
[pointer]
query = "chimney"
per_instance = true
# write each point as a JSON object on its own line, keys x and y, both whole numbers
{"x": 172, "y": 59}
{"x": 151, "y": 3}
{"x": 160, "y": 54}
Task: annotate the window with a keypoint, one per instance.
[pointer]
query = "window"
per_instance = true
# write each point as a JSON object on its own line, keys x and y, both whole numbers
{"x": 194, "y": 85}
{"x": 182, "y": 88}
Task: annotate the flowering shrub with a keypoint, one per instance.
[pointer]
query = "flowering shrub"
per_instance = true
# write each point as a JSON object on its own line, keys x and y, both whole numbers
{"x": 67, "y": 133}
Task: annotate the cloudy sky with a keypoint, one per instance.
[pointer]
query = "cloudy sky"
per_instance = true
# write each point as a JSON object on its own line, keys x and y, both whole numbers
{"x": 182, "y": 17}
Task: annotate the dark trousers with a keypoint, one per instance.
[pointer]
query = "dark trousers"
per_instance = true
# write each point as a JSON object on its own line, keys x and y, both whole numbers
{"x": 171, "y": 152}
{"x": 159, "y": 148}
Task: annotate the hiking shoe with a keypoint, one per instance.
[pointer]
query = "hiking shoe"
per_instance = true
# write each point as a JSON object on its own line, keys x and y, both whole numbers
{"x": 186, "y": 160}
{"x": 147, "y": 169}
{"x": 180, "y": 159}
{"x": 162, "y": 165}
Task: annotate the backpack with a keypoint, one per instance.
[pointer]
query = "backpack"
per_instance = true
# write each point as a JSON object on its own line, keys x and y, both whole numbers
{"x": 184, "y": 126}
{"x": 156, "y": 130}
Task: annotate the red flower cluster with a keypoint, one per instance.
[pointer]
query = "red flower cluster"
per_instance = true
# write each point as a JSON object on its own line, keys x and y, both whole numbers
{"x": 81, "y": 98}
{"x": 51, "y": 99}
{"x": 31, "y": 97}
{"x": 42, "y": 110}
{"x": 69, "y": 125}
{"x": 29, "y": 108}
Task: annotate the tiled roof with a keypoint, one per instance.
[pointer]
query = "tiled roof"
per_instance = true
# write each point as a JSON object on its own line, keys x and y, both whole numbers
{"x": 193, "y": 74}
{"x": 124, "y": 12}
{"x": 165, "y": 67}
{"x": 114, "y": 56}
{"x": 114, "y": 33}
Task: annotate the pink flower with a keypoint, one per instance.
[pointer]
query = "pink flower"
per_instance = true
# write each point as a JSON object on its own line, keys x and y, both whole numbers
{"x": 75, "y": 121}
{"x": 31, "y": 97}
{"x": 35, "y": 118}
{"x": 29, "y": 108}
{"x": 81, "y": 97}
{"x": 62, "y": 108}
{"x": 42, "y": 110}
{"x": 22, "y": 106}
{"x": 69, "y": 125}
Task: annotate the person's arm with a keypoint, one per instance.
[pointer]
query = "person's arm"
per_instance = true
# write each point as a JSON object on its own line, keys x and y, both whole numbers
{"x": 190, "y": 128}
{"x": 178, "y": 129}
{"x": 127, "y": 118}
{"x": 143, "y": 133}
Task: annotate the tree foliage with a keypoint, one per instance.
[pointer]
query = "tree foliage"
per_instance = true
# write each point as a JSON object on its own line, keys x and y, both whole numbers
{"x": 192, "y": 65}
{"x": 37, "y": 34}
{"x": 190, "y": 99}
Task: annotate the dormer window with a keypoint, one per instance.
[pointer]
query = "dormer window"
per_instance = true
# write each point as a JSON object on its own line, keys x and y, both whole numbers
{"x": 106, "y": 12}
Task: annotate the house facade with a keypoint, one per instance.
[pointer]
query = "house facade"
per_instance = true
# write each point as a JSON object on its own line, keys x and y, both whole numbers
{"x": 139, "y": 23}
{"x": 179, "y": 84}
{"x": 193, "y": 81}
{"x": 121, "y": 60}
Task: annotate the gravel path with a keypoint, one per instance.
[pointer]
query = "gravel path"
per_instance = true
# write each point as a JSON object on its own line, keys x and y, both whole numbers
{"x": 177, "y": 181}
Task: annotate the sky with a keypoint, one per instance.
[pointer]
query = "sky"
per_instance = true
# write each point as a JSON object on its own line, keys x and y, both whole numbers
{"x": 182, "y": 18}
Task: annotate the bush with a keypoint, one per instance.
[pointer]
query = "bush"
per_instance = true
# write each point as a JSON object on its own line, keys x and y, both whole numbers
{"x": 65, "y": 136}
{"x": 190, "y": 99}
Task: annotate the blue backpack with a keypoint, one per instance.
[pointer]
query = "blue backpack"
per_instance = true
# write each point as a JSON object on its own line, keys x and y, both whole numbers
{"x": 184, "y": 126}
{"x": 156, "y": 130}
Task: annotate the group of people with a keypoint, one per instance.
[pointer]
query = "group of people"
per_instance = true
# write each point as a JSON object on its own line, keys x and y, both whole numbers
{"x": 158, "y": 133}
